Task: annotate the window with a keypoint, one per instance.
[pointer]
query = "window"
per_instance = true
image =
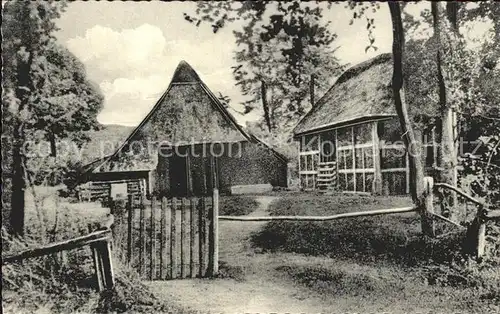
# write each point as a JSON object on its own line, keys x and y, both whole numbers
{"x": 308, "y": 161}
{"x": 344, "y": 136}
{"x": 327, "y": 146}
{"x": 431, "y": 147}
{"x": 355, "y": 158}
{"x": 362, "y": 133}
{"x": 393, "y": 157}
{"x": 368, "y": 157}
{"x": 390, "y": 131}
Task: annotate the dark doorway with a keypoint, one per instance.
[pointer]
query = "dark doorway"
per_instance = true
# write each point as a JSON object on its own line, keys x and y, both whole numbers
{"x": 178, "y": 175}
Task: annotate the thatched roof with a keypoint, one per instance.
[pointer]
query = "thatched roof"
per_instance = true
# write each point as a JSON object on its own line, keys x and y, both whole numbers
{"x": 187, "y": 113}
{"x": 362, "y": 92}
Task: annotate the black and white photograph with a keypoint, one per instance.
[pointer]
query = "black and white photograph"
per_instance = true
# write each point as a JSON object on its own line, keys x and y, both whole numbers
{"x": 250, "y": 157}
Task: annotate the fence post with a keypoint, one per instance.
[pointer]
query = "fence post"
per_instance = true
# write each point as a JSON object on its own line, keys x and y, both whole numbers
{"x": 130, "y": 216}
{"x": 107, "y": 265}
{"x": 173, "y": 239}
{"x": 163, "y": 234}
{"x": 142, "y": 237}
{"x": 428, "y": 228}
{"x": 481, "y": 233}
{"x": 152, "y": 235}
{"x": 103, "y": 264}
{"x": 214, "y": 234}
{"x": 97, "y": 266}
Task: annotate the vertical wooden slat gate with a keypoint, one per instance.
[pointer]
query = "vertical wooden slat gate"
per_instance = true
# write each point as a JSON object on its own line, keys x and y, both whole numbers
{"x": 171, "y": 238}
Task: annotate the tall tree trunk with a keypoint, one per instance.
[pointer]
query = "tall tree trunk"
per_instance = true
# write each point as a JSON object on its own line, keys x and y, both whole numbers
{"x": 265, "y": 105}
{"x": 18, "y": 181}
{"x": 452, "y": 13}
{"x": 417, "y": 185}
{"x": 448, "y": 157}
{"x": 23, "y": 91}
{"x": 311, "y": 89}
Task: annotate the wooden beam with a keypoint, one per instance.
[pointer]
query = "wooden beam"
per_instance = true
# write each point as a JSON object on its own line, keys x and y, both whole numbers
{"x": 427, "y": 210}
{"x": 448, "y": 220}
{"x": 323, "y": 218}
{"x": 130, "y": 228}
{"x": 213, "y": 235}
{"x": 152, "y": 236}
{"x": 74, "y": 243}
{"x": 337, "y": 160}
{"x": 460, "y": 192}
{"x": 481, "y": 238}
{"x": 353, "y": 159}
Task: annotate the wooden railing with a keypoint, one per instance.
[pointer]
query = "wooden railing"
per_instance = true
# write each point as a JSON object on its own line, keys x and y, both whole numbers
{"x": 426, "y": 211}
{"x": 484, "y": 214}
{"x": 100, "y": 243}
{"x": 324, "y": 218}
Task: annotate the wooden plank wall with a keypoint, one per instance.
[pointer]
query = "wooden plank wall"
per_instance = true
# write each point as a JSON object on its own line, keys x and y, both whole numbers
{"x": 171, "y": 238}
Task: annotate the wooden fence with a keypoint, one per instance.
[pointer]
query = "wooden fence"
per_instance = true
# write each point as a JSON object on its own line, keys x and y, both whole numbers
{"x": 170, "y": 238}
{"x": 100, "y": 244}
{"x": 426, "y": 211}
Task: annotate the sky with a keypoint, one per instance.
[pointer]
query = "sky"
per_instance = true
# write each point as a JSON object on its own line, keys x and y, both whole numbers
{"x": 131, "y": 49}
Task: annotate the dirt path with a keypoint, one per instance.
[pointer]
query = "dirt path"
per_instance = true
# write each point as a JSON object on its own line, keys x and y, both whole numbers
{"x": 261, "y": 288}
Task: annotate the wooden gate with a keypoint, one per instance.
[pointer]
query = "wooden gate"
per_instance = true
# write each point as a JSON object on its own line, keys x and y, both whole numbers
{"x": 170, "y": 238}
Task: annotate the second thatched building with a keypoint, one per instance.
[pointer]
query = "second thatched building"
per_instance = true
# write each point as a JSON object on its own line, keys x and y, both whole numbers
{"x": 351, "y": 139}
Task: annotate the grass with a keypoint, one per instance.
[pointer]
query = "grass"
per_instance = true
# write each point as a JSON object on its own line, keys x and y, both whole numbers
{"x": 237, "y": 205}
{"x": 377, "y": 257}
{"x": 65, "y": 283}
{"x": 358, "y": 288}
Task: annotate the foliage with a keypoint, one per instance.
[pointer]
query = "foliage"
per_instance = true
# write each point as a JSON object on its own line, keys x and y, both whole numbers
{"x": 283, "y": 46}
{"x": 69, "y": 103}
{"x": 486, "y": 171}
{"x": 64, "y": 104}
{"x": 45, "y": 96}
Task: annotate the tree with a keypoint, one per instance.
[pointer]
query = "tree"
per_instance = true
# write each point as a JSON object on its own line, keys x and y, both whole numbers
{"x": 360, "y": 10}
{"x": 453, "y": 96}
{"x": 415, "y": 162}
{"x": 445, "y": 47}
{"x": 27, "y": 30}
{"x": 278, "y": 57}
{"x": 69, "y": 103}
{"x": 45, "y": 95}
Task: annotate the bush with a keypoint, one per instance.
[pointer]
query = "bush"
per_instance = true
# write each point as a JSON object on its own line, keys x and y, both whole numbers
{"x": 237, "y": 205}
{"x": 389, "y": 237}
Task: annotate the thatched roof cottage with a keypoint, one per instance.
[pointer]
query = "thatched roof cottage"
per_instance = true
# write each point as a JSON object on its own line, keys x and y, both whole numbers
{"x": 189, "y": 135}
{"x": 351, "y": 139}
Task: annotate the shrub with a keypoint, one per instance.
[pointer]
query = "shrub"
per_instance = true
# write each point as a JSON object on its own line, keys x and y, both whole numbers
{"x": 237, "y": 205}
